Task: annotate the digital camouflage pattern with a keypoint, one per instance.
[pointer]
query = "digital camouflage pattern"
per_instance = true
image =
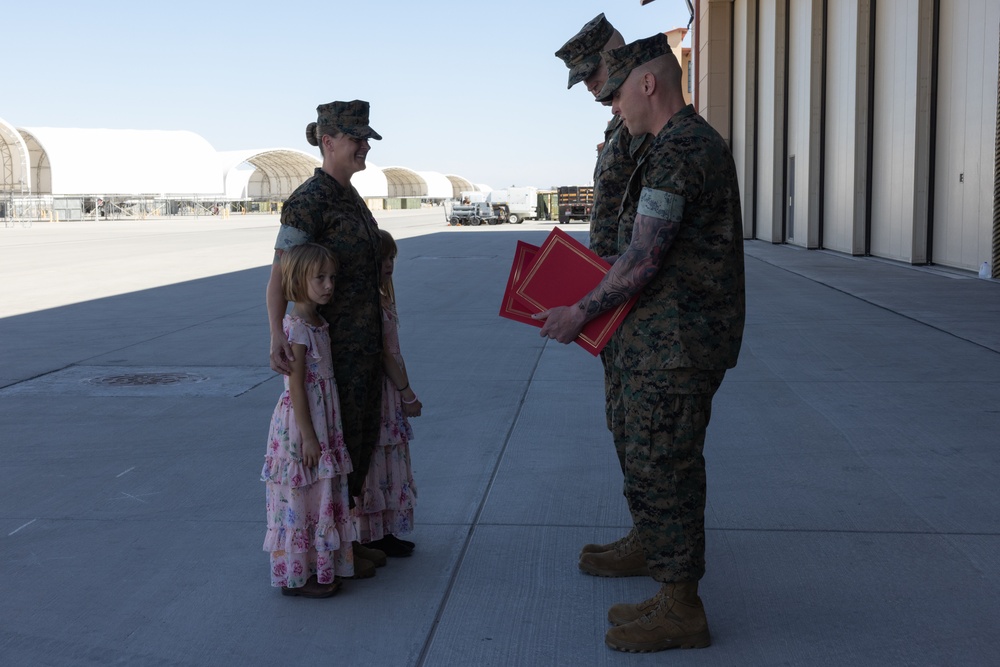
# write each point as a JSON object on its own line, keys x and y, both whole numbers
{"x": 675, "y": 345}
{"x": 691, "y": 314}
{"x": 582, "y": 53}
{"x": 351, "y": 118}
{"x": 621, "y": 61}
{"x": 665, "y": 482}
{"x": 337, "y": 217}
{"x": 615, "y": 164}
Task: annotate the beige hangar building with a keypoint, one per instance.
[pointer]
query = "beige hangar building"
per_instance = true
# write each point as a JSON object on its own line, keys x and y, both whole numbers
{"x": 867, "y": 127}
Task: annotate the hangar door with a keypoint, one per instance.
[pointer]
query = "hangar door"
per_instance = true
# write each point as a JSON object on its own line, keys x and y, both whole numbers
{"x": 969, "y": 38}
{"x": 894, "y": 130}
{"x": 769, "y": 198}
{"x": 842, "y": 227}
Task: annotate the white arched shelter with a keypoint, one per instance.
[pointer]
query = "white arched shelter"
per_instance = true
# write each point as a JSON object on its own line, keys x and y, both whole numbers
{"x": 265, "y": 174}
{"x": 404, "y": 182}
{"x": 125, "y": 162}
{"x": 371, "y": 183}
{"x": 438, "y": 185}
{"x": 459, "y": 185}
{"x": 15, "y": 169}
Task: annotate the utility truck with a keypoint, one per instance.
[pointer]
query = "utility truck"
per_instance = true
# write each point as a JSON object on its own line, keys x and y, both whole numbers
{"x": 472, "y": 213}
{"x": 513, "y": 205}
{"x": 575, "y": 202}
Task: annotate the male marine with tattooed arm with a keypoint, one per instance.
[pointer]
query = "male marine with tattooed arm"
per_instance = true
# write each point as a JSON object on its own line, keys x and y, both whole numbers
{"x": 680, "y": 246}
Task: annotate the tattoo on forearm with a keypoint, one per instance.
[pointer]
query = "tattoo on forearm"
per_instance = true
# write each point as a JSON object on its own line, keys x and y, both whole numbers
{"x": 651, "y": 239}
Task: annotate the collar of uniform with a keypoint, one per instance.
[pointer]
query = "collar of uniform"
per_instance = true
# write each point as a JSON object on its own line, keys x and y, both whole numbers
{"x": 332, "y": 183}
{"x": 613, "y": 124}
{"x": 685, "y": 112}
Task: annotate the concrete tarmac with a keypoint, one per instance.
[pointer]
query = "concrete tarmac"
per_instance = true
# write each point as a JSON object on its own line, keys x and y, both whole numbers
{"x": 853, "y": 462}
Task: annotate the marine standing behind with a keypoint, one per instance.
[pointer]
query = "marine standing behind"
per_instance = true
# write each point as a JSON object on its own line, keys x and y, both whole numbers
{"x": 615, "y": 164}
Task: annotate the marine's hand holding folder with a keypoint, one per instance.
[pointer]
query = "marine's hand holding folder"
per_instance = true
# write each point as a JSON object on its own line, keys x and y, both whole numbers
{"x": 559, "y": 273}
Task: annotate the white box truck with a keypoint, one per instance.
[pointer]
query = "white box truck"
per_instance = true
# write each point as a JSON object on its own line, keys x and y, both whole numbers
{"x": 515, "y": 204}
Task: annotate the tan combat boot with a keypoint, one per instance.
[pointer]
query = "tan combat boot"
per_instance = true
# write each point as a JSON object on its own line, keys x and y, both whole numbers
{"x": 598, "y": 548}
{"x": 626, "y": 612}
{"x": 673, "y": 618}
{"x": 626, "y": 559}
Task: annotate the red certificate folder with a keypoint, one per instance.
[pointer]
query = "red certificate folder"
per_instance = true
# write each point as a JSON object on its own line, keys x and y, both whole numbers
{"x": 513, "y": 308}
{"x": 562, "y": 272}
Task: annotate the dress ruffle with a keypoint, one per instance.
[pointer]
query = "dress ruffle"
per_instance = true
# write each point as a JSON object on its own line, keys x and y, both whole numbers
{"x": 285, "y": 472}
{"x": 309, "y": 532}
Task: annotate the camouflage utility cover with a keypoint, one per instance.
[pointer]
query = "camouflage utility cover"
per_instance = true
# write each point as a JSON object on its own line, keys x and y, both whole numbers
{"x": 351, "y": 118}
{"x": 624, "y": 59}
{"x": 582, "y": 53}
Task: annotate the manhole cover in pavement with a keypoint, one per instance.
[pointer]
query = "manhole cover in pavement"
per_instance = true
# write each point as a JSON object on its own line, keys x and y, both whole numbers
{"x": 135, "y": 381}
{"x": 146, "y": 379}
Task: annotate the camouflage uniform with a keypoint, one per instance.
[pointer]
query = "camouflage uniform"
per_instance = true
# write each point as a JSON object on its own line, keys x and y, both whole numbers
{"x": 616, "y": 162}
{"x": 685, "y": 330}
{"x": 323, "y": 211}
{"x": 615, "y": 165}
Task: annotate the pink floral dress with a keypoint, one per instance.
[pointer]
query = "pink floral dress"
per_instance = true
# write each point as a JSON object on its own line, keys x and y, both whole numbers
{"x": 389, "y": 494}
{"x": 309, "y": 528}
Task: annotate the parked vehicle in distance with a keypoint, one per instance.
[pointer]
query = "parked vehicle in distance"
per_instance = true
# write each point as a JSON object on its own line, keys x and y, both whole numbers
{"x": 470, "y": 213}
{"x": 515, "y": 204}
{"x": 575, "y": 202}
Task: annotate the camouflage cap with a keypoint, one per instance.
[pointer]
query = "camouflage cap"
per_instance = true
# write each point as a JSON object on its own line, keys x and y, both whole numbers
{"x": 351, "y": 118}
{"x": 624, "y": 59}
{"x": 582, "y": 53}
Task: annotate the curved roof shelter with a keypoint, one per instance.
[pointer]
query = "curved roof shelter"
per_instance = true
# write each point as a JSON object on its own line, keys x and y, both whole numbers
{"x": 275, "y": 173}
{"x": 15, "y": 170}
{"x": 404, "y": 182}
{"x": 482, "y": 187}
{"x": 459, "y": 185}
{"x": 181, "y": 164}
{"x": 371, "y": 183}
{"x": 265, "y": 174}
{"x": 438, "y": 185}
{"x": 126, "y": 162}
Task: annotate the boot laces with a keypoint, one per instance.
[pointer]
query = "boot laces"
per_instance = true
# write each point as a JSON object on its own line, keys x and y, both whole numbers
{"x": 617, "y": 544}
{"x": 627, "y": 544}
{"x": 652, "y": 608}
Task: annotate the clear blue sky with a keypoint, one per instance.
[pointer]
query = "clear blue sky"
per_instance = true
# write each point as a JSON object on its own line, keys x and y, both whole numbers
{"x": 469, "y": 88}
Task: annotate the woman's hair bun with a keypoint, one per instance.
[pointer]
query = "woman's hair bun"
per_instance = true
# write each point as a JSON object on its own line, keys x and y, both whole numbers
{"x": 311, "y": 134}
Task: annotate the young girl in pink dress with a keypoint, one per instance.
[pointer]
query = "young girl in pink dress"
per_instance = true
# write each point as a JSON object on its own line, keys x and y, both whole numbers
{"x": 309, "y": 529}
{"x": 385, "y": 508}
